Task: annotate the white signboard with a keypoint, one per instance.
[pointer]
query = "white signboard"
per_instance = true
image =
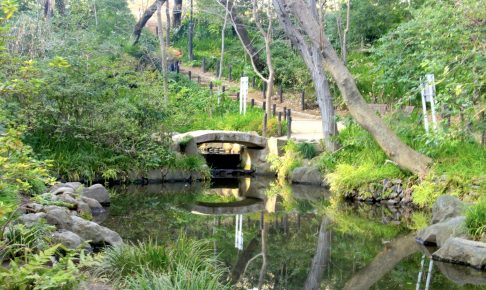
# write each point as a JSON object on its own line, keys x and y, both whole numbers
{"x": 243, "y": 94}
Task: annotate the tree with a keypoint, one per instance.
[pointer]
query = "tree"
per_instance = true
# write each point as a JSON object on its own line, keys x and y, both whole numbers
{"x": 163, "y": 52}
{"x": 312, "y": 59}
{"x": 177, "y": 13}
{"x": 143, "y": 20}
{"x": 240, "y": 29}
{"x": 306, "y": 21}
{"x": 266, "y": 34}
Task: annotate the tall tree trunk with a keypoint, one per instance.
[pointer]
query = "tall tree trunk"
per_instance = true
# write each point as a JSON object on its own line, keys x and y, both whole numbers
{"x": 143, "y": 20}
{"x": 394, "y": 148}
{"x": 344, "y": 49}
{"x": 167, "y": 23}
{"x": 313, "y": 61}
{"x": 177, "y": 13}
{"x": 48, "y": 10}
{"x": 163, "y": 53}
{"x": 61, "y": 7}
{"x": 240, "y": 29}
{"x": 191, "y": 35}
{"x": 321, "y": 257}
{"x": 221, "y": 60}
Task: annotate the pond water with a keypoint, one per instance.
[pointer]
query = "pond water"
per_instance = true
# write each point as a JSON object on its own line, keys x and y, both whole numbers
{"x": 288, "y": 237}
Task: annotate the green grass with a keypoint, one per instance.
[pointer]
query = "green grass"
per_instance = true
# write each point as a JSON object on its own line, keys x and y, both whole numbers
{"x": 184, "y": 264}
{"x": 476, "y": 219}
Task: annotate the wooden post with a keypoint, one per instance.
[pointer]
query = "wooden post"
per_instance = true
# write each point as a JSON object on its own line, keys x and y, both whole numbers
{"x": 198, "y": 79}
{"x": 204, "y": 64}
{"x": 279, "y": 124}
{"x": 223, "y": 89}
{"x": 302, "y": 100}
{"x": 189, "y": 75}
{"x": 177, "y": 67}
{"x": 230, "y": 76}
{"x": 211, "y": 86}
{"x": 252, "y": 103}
{"x": 237, "y": 96}
{"x": 289, "y": 127}
{"x": 285, "y": 113}
{"x": 264, "y": 130}
{"x": 274, "y": 109}
{"x": 264, "y": 105}
{"x": 280, "y": 93}
{"x": 253, "y": 82}
{"x": 289, "y": 114}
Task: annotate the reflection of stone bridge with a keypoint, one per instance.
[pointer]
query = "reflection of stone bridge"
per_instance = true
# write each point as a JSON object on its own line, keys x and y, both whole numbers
{"x": 246, "y": 205}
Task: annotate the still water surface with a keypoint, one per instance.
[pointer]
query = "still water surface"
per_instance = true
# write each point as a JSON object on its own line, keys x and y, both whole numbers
{"x": 290, "y": 237}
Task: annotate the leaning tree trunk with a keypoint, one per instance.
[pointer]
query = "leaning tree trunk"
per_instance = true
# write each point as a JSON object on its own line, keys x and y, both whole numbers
{"x": 313, "y": 61}
{"x": 240, "y": 29}
{"x": 143, "y": 20}
{"x": 394, "y": 148}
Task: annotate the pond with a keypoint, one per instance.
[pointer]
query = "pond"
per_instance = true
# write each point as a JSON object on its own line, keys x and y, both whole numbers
{"x": 288, "y": 237}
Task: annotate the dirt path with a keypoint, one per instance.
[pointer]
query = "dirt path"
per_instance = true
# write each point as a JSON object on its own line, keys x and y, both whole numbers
{"x": 306, "y": 125}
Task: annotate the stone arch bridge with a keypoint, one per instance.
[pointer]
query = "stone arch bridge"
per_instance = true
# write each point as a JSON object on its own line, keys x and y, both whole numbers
{"x": 254, "y": 152}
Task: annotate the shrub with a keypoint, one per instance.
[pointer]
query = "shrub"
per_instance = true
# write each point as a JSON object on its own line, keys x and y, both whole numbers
{"x": 285, "y": 164}
{"x": 307, "y": 150}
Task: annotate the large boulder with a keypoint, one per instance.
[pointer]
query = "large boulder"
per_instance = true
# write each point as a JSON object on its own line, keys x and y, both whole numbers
{"x": 93, "y": 204}
{"x": 446, "y": 207}
{"x": 67, "y": 238}
{"x": 462, "y": 251}
{"x": 461, "y": 275}
{"x": 62, "y": 190}
{"x": 58, "y": 216}
{"x": 307, "y": 175}
{"x": 95, "y": 233}
{"x": 98, "y": 192}
{"x": 31, "y": 219}
{"x": 437, "y": 234}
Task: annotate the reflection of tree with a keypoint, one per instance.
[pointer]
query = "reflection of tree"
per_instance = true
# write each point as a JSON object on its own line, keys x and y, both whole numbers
{"x": 243, "y": 260}
{"x": 321, "y": 258}
{"x": 384, "y": 262}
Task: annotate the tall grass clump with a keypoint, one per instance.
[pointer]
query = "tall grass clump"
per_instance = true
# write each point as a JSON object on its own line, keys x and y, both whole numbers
{"x": 285, "y": 164}
{"x": 307, "y": 150}
{"x": 186, "y": 264}
{"x": 476, "y": 219}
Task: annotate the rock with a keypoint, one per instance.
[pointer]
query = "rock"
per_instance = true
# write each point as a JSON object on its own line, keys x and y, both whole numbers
{"x": 95, "y": 233}
{"x": 446, "y": 207}
{"x": 67, "y": 198}
{"x": 437, "y": 234}
{"x": 306, "y": 175}
{"x": 82, "y": 206}
{"x": 58, "y": 216}
{"x": 31, "y": 219}
{"x": 61, "y": 190}
{"x": 93, "y": 204}
{"x": 462, "y": 251}
{"x": 462, "y": 275}
{"x": 74, "y": 185}
{"x": 67, "y": 238}
{"x": 33, "y": 207}
{"x": 98, "y": 192}
{"x": 176, "y": 175}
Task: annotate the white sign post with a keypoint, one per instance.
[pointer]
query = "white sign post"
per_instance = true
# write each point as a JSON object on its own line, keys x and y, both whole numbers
{"x": 243, "y": 94}
{"x": 427, "y": 91}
